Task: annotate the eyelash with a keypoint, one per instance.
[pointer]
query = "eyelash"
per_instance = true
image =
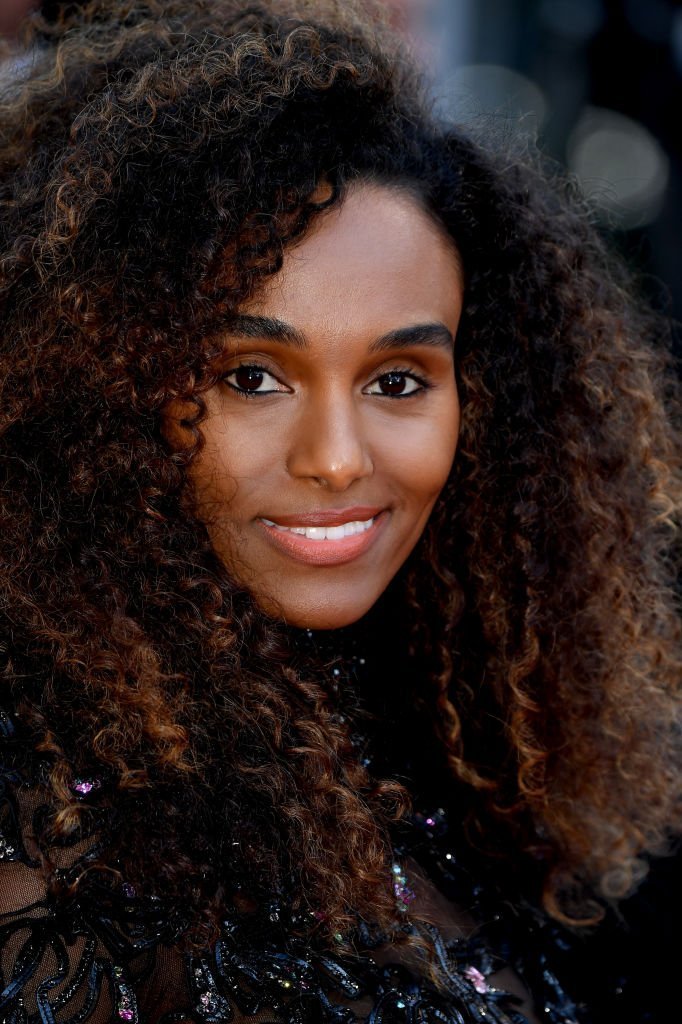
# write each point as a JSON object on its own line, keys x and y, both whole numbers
{"x": 424, "y": 384}
{"x": 248, "y": 366}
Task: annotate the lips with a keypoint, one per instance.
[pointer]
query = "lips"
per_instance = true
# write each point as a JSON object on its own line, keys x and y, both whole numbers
{"x": 324, "y": 533}
{"x": 328, "y": 517}
{"x": 329, "y": 537}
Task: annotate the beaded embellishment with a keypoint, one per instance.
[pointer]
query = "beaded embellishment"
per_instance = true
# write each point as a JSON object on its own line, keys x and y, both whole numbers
{"x": 404, "y": 895}
{"x": 263, "y": 965}
{"x": 126, "y": 1003}
{"x": 85, "y": 786}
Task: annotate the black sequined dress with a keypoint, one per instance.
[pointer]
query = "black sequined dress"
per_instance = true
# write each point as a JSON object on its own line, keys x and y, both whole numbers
{"x": 115, "y": 954}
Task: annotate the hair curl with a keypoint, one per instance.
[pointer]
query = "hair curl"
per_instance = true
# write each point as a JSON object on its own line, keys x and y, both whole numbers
{"x": 155, "y": 144}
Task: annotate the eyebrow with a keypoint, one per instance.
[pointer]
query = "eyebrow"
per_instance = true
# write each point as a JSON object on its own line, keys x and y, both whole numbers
{"x": 247, "y": 325}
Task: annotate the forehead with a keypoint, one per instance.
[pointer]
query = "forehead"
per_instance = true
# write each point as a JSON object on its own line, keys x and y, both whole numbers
{"x": 374, "y": 261}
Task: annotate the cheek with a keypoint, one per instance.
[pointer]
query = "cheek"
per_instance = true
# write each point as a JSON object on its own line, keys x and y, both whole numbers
{"x": 423, "y": 459}
{"x": 234, "y": 459}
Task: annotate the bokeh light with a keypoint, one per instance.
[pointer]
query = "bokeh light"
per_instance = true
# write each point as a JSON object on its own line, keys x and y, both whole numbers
{"x": 497, "y": 92}
{"x": 621, "y": 166}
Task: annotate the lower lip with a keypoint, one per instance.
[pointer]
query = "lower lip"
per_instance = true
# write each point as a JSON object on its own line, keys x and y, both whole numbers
{"x": 325, "y": 552}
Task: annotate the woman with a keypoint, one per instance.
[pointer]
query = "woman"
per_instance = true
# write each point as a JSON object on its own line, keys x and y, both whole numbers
{"x": 338, "y": 484}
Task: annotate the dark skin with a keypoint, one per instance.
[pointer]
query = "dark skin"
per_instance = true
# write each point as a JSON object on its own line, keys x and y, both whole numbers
{"x": 338, "y": 404}
{"x": 349, "y": 355}
{"x": 333, "y": 432}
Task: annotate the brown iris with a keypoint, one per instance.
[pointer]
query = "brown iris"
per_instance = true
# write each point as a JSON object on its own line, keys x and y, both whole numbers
{"x": 393, "y": 383}
{"x": 247, "y": 378}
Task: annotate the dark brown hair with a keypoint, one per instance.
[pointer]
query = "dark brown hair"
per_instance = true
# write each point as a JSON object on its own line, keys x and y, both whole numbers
{"x": 153, "y": 145}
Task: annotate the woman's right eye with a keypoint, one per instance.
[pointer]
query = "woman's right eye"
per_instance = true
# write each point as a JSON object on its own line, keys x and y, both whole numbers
{"x": 249, "y": 379}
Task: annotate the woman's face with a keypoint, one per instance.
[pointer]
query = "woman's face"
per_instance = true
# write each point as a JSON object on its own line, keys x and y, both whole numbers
{"x": 334, "y": 427}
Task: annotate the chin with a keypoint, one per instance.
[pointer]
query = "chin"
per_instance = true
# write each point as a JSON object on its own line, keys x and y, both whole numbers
{"x": 326, "y": 622}
{"x": 328, "y": 614}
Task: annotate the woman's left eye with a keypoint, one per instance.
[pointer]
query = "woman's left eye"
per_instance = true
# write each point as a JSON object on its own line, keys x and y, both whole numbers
{"x": 252, "y": 380}
{"x": 396, "y": 384}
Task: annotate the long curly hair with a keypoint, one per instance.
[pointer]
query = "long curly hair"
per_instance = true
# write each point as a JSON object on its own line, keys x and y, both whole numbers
{"x": 155, "y": 162}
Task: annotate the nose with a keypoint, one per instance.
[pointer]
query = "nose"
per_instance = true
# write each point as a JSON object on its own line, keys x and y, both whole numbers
{"x": 329, "y": 444}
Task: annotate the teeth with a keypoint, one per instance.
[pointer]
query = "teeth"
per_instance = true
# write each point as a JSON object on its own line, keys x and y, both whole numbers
{"x": 324, "y": 532}
{"x": 335, "y": 532}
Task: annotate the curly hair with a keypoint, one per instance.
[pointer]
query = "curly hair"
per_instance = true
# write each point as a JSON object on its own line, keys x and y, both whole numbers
{"x": 154, "y": 165}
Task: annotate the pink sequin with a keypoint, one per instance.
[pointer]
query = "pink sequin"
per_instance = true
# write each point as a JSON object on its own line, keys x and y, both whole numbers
{"x": 404, "y": 893}
{"x": 475, "y": 976}
{"x": 126, "y": 1014}
{"x": 85, "y": 786}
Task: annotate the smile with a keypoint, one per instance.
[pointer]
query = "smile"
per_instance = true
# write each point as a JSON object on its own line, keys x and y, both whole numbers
{"x": 335, "y": 542}
{"x": 325, "y": 532}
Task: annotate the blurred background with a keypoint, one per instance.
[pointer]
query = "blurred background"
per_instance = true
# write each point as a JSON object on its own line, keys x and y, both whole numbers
{"x": 598, "y": 84}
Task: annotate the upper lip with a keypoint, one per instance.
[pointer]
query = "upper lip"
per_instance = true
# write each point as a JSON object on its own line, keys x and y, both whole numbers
{"x": 327, "y": 516}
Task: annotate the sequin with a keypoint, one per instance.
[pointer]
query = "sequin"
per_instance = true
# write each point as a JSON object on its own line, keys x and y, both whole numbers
{"x": 434, "y": 823}
{"x": 265, "y": 968}
{"x": 85, "y": 786}
{"x": 477, "y": 979}
{"x": 211, "y": 1005}
{"x": 126, "y": 1003}
{"x": 6, "y": 849}
{"x": 403, "y": 893}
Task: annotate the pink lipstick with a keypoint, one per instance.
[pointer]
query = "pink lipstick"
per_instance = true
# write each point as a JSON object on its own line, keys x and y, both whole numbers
{"x": 326, "y": 537}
